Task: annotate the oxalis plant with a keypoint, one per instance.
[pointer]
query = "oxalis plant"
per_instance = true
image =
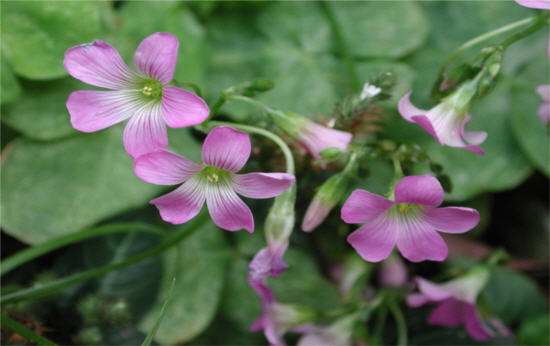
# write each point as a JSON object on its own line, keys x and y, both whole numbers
{"x": 359, "y": 225}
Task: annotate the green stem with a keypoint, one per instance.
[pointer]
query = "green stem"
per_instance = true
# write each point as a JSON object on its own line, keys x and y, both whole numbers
{"x": 342, "y": 46}
{"x": 24, "y": 331}
{"x": 217, "y": 106}
{"x": 485, "y": 37}
{"x": 399, "y": 321}
{"x": 352, "y": 161}
{"x": 259, "y": 131}
{"x": 31, "y": 253}
{"x": 541, "y": 22}
{"x": 256, "y": 103}
{"x": 59, "y": 284}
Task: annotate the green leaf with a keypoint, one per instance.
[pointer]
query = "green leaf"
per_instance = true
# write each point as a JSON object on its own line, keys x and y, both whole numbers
{"x": 535, "y": 330}
{"x": 141, "y": 19}
{"x": 513, "y": 297}
{"x": 9, "y": 84}
{"x": 198, "y": 264}
{"x": 381, "y": 29}
{"x": 153, "y": 331}
{"x": 36, "y": 34}
{"x": 56, "y": 188}
{"x": 41, "y": 113}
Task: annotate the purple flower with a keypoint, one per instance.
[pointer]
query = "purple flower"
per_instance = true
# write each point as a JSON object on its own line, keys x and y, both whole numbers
{"x": 446, "y": 121}
{"x": 410, "y": 220}
{"x": 544, "y": 110}
{"x": 456, "y": 301}
{"x": 541, "y": 4}
{"x": 314, "y": 137}
{"x": 276, "y": 319}
{"x": 224, "y": 152}
{"x": 142, "y": 96}
{"x": 269, "y": 261}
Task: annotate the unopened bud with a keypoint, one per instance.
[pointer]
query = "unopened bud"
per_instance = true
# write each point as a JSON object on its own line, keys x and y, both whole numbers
{"x": 393, "y": 272}
{"x": 328, "y": 195}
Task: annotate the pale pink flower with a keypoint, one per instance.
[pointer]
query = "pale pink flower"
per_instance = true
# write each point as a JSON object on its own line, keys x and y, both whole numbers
{"x": 456, "y": 301}
{"x": 410, "y": 220}
{"x": 269, "y": 261}
{"x": 224, "y": 152}
{"x": 392, "y": 272}
{"x": 142, "y": 96}
{"x": 544, "y": 109}
{"x": 446, "y": 121}
{"x": 540, "y": 4}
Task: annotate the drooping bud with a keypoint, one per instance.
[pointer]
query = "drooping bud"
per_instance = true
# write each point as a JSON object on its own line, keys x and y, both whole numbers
{"x": 328, "y": 195}
{"x": 393, "y": 272}
{"x": 314, "y": 137}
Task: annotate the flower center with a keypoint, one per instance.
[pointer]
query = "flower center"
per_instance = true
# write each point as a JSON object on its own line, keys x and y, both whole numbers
{"x": 215, "y": 175}
{"x": 406, "y": 209}
{"x": 152, "y": 89}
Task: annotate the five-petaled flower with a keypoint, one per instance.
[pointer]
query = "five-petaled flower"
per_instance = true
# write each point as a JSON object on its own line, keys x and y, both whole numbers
{"x": 141, "y": 96}
{"x": 456, "y": 301}
{"x": 446, "y": 121}
{"x": 224, "y": 152}
{"x": 410, "y": 221}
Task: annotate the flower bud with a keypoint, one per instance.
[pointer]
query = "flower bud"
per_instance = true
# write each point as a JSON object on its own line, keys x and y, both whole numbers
{"x": 328, "y": 195}
{"x": 393, "y": 272}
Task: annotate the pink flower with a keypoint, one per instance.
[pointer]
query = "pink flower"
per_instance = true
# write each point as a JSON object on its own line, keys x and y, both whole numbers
{"x": 314, "y": 137}
{"x": 410, "y": 220}
{"x": 457, "y": 304}
{"x": 544, "y": 110}
{"x": 541, "y": 4}
{"x": 141, "y": 96}
{"x": 269, "y": 261}
{"x": 393, "y": 272}
{"x": 276, "y": 319}
{"x": 446, "y": 121}
{"x": 224, "y": 152}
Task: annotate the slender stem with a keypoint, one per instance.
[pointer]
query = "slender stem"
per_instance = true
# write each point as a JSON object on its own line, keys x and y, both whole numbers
{"x": 485, "y": 37}
{"x": 252, "y": 102}
{"x": 57, "y": 285}
{"x": 399, "y": 321}
{"x": 25, "y": 332}
{"x": 149, "y": 339}
{"x": 31, "y": 253}
{"x": 397, "y": 170}
{"x": 342, "y": 46}
{"x": 259, "y": 131}
{"x": 217, "y": 106}
{"x": 525, "y": 33}
{"x": 352, "y": 161}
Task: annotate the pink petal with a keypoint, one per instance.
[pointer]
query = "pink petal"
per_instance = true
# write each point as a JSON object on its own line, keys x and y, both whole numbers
{"x": 227, "y": 210}
{"x": 426, "y": 124}
{"x": 316, "y": 138}
{"x": 182, "y": 108}
{"x": 375, "y": 240}
{"x": 540, "y": 4}
{"x": 415, "y": 300}
{"x": 262, "y": 185}
{"x": 418, "y": 241}
{"x": 475, "y": 326}
{"x": 475, "y": 149}
{"x": 145, "y": 132}
{"x": 363, "y": 206}
{"x": 268, "y": 262}
{"x": 99, "y": 64}
{"x": 419, "y": 189}
{"x": 432, "y": 291}
{"x": 95, "y": 110}
{"x": 452, "y": 219}
{"x": 165, "y": 168}
{"x": 156, "y": 56}
{"x": 544, "y": 112}
{"x": 407, "y": 109}
{"x": 182, "y": 204}
{"x": 450, "y": 313}
{"x": 544, "y": 90}
{"x": 226, "y": 148}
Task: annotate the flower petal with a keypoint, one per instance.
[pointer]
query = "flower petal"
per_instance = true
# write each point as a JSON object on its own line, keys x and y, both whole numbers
{"x": 165, "y": 168}
{"x": 363, "y": 206}
{"x": 99, "y": 64}
{"x": 262, "y": 185}
{"x": 432, "y": 291}
{"x": 92, "y": 110}
{"x": 544, "y": 90}
{"x": 426, "y": 124}
{"x": 418, "y": 241}
{"x": 450, "y": 313}
{"x": 227, "y": 210}
{"x": 452, "y": 219}
{"x": 407, "y": 109}
{"x": 415, "y": 300}
{"x": 268, "y": 262}
{"x": 226, "y": 148}
{"x": 475, "y": 326}
{"x": 182, "y": 204}
{"x": 156, "y": 56}
{"x": 544, "y": 112}
{"x": 375, "y": 240}
{"x": 419, "y": 189}
{"x": 182, "y": 108}
{"x": 145, "y": 132}
{"x": 316, "y": 213}
{"x": 540, "y": 4}
{"x": 316, "y": 138}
